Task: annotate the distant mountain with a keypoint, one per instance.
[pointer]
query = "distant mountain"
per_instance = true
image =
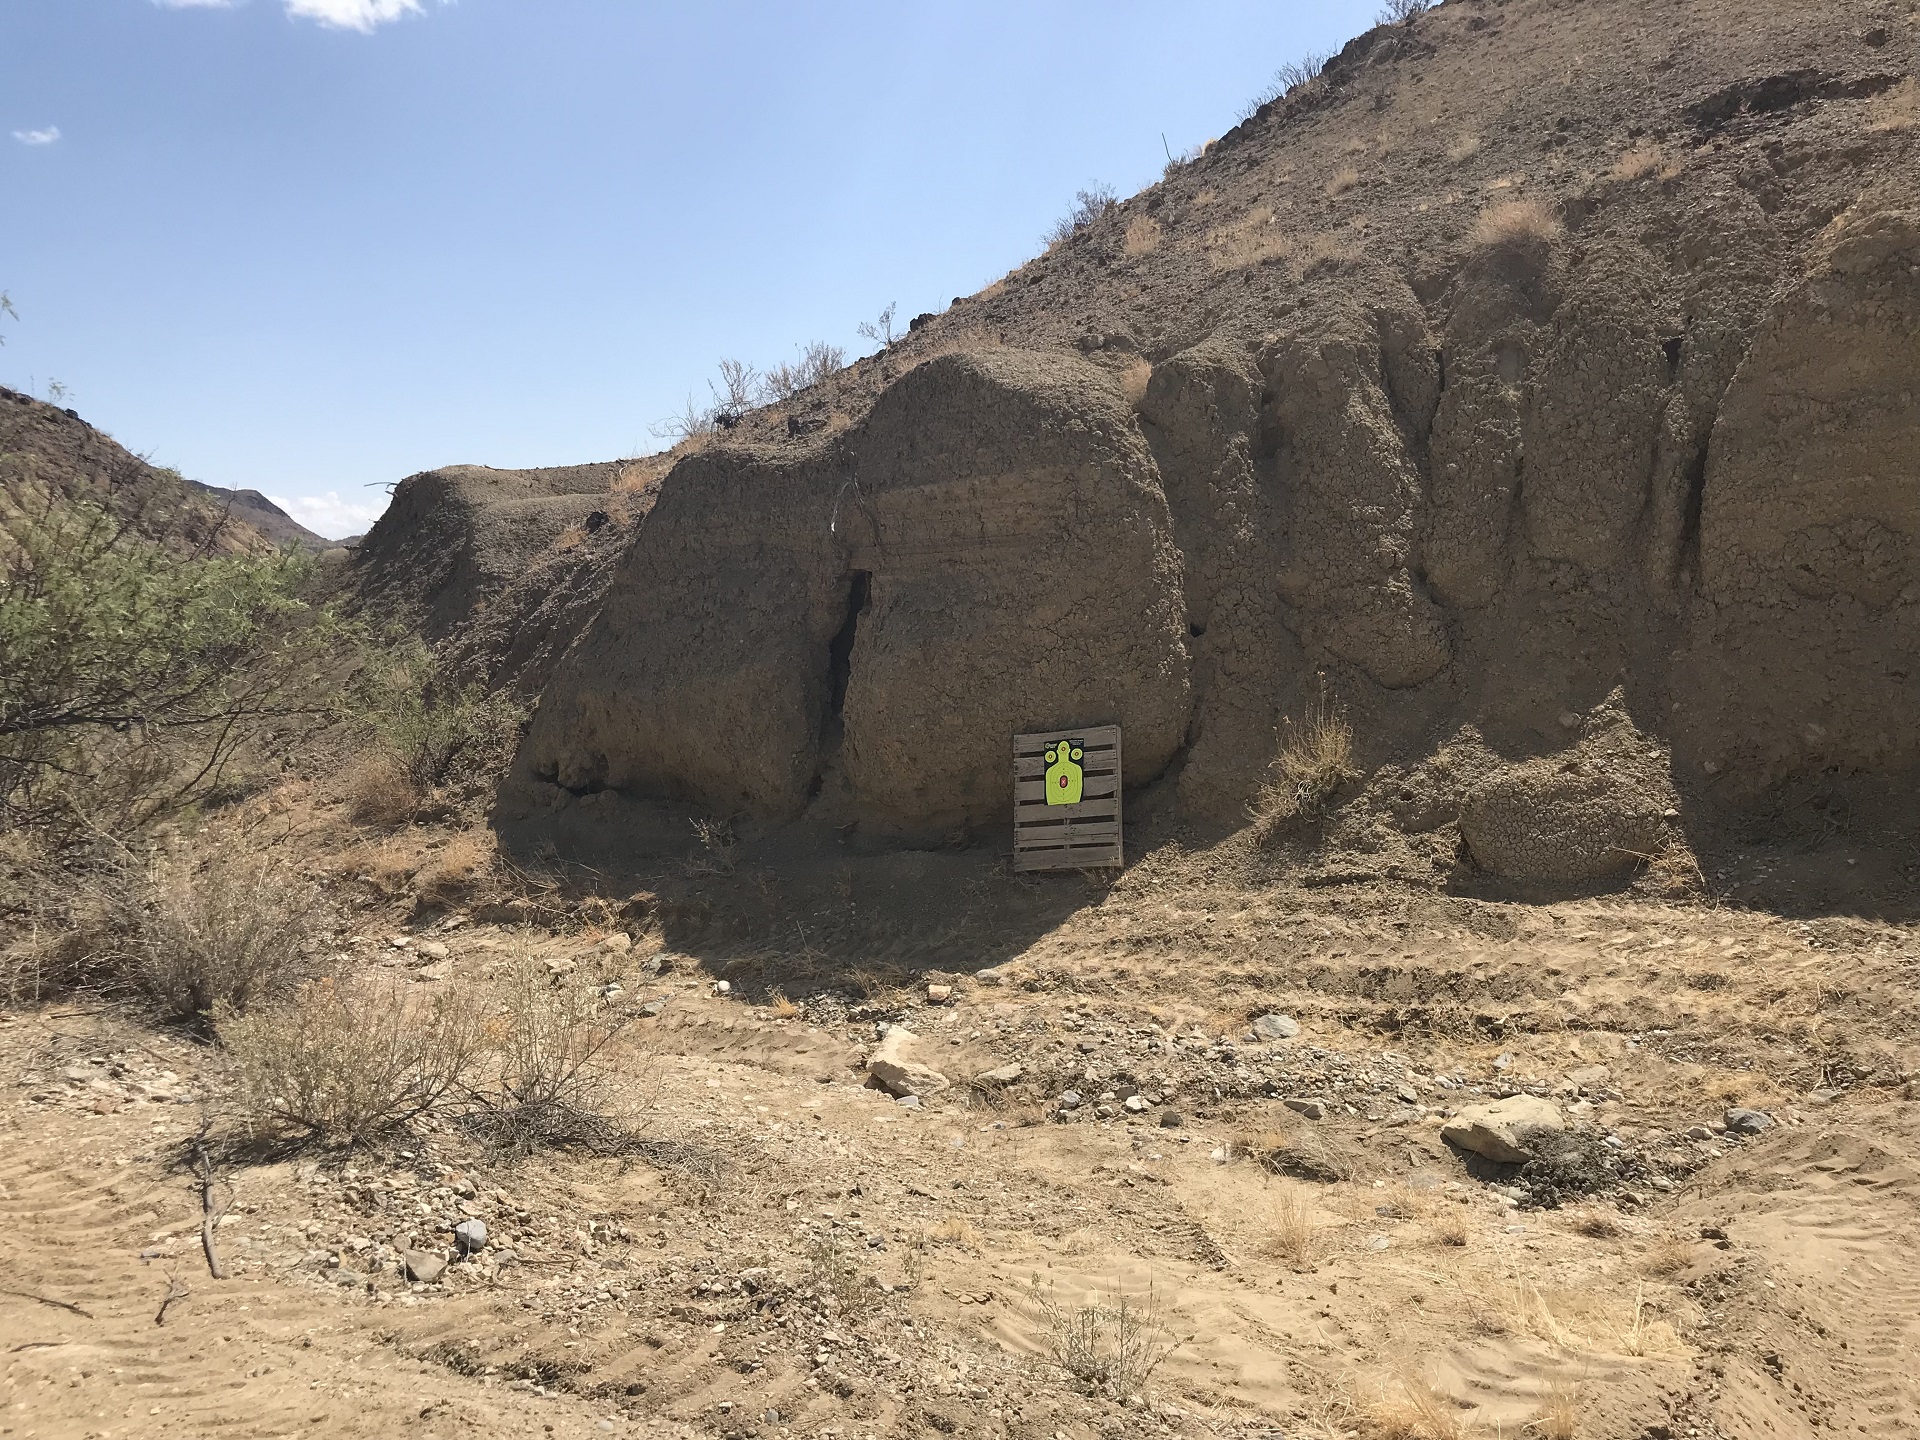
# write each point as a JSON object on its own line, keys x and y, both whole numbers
{"x": 47, "y": 452}
{"x": 266, "y": 517}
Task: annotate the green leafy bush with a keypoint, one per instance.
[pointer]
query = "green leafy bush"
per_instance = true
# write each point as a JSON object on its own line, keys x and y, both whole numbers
{"x": 434, "y": 731}
{"x": 130, "y": 674}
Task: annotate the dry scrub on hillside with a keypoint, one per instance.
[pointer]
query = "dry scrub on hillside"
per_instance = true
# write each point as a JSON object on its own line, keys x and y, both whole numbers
{"x": 1515, "y": 223}
{"x": 342, "y": 1063}
{"x": 1315, "y": 759}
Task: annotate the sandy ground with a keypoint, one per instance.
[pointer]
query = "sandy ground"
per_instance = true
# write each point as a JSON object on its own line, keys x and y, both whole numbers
{"x": 804, "y": 1255}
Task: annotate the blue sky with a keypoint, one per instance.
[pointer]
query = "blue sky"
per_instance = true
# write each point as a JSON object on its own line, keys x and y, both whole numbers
{"x": 312, "y": 246}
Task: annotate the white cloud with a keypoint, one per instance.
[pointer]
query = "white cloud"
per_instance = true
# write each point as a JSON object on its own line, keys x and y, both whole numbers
{"x": 330, "y": 515}
{"x": 38, "y": 137}
{"x": 361, "y": 15}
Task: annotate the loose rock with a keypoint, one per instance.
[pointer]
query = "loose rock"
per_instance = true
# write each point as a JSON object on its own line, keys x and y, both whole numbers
{"x": 1505, "y": 1130}
{"x": 1276, "y": 1027}
{"x": 422, "y": 1267}
{"x": 896, "y": 1068}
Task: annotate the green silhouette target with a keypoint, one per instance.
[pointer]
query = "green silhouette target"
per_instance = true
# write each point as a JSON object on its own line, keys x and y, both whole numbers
{"x": 1065, "y": 777}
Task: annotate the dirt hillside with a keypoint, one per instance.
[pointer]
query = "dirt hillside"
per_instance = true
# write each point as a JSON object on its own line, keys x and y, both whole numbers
{"x": 1541, "y": 372}
{"x": 48, "y": 452}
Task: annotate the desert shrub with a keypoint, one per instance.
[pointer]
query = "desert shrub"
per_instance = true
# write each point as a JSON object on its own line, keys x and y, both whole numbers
{"x": 1290, "y": 77}
{"x": 344, "y": 1064}
{"x": 1646, "y": 158}
{"x": 218, "y": 927}
{"x": 1397, "y": 12}
{"x": 1111, "y": 1345}
{"x": 1515, "y": 223}
{"x": 880, "y": 330}
{"x": 1898, "y": 109}
{"x": 1315, "y": 759}
{"x": 1559, "y": 1414}
{"x": 553, "y": 1085}
{"x": 378, "y": 790}
{"x": 1290, "y": 1233}
{"x": 438, "y": 731}
{"x": 1088, "y": 206}
{"x": 1342, "y": 180}
{"x": 818, "y": 361}
{"x": 1412, "y": 1410}
{"x": 134, "y": 668}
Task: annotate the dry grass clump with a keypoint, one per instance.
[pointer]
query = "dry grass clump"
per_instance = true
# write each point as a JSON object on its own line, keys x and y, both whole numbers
{"x": 196, "y": 927}
{"x": 378, "y": 791}
{"x": 1559, "y": 1417}
{"x": 454, "y": 875}
{"x": 1449, "y": 1229}
{"x": 344, "y": 1064}
{"x": 1342, "y": 180}
{"x": 1515, "y": 223}
{"x": 1646, "y": 158}
{"x": 783, "y": 1008}
{"x": 1133, "y": 382}
{"x": 1290, "y": 1230}
{"x": 1898, "y": 109}
{"x": 1142, "y": 237}
{"x": 1315, "y": 759}
{"x": 1411, "y": 1409}
{"x": 1111, "y": 1345}
{"x": 1255, "y": 239}
{"x": 1667, "y": 1259}
{"x": 1596, "y": 1225}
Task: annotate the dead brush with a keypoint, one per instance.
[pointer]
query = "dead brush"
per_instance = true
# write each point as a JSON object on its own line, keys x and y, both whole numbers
{"x": 552, "y": 1085}
{"x": 1133, "y": 382}
{"x": 1411, "y": 1409}
{"x": 1315, "y": 759}
{"x": 457, "y": 872}
{"x": 343, "y": 1064}
{"x": 1290, "y": 1228}
{"x": 1898, "y": 109}
{"x": 204, "y": 926}
{"x": 1111, "y": 1345}
{"x": 1142, "y": 237}
{"x": 1646, "y": 158}
{"x": 378, "y": 791}
{"x": 1666, "y": 1259}
{"x": 833, "y": 1276}
{"x": 718, "y": 853}
{"x": 1515, "y": 225}
{"x": 1559, "y": 1415}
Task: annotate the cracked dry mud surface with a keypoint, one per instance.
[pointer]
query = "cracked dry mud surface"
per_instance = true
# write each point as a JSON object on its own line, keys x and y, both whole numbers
{"x": 810, "y": 1257}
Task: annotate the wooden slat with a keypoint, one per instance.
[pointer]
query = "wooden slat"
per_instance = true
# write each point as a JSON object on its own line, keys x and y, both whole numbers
{"x": 1068, "y": 837}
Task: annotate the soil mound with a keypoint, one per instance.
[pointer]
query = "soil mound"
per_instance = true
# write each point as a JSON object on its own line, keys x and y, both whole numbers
{"x": 452, "y": 540}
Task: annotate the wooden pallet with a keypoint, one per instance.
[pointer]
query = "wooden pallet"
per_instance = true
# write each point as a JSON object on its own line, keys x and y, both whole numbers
{"x": 1067, "y": 837}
